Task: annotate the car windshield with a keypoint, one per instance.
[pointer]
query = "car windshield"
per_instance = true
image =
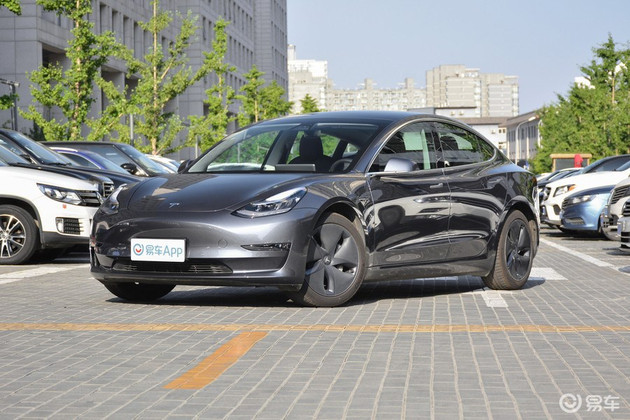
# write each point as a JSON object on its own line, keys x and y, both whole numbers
{"x": 316, "y": 147}
{"x": 607, "y": 164}
{"x": 9, "y": 157}
{"x": 90, "y": 159}
{"x": 142, "y": 159}
{"x": 39, "y": 152}
{"x": 623, "y": 167}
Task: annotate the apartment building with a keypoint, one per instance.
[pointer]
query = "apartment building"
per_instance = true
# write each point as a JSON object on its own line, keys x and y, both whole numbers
{"x": 456, "y": 86}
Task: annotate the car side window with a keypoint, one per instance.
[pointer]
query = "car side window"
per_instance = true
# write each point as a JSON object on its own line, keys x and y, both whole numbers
{"x": 461, "y": 147}
{"x": 413, "y": 142}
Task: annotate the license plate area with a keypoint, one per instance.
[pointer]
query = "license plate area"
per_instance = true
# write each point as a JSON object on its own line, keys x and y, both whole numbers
{"x": 163, "y": 250}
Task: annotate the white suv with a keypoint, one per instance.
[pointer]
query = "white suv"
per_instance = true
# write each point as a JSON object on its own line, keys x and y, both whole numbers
{"x": 41, "y": 210}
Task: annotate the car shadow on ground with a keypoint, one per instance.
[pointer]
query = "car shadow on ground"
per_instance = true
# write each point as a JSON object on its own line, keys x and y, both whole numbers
{"x": 368, "y": 293}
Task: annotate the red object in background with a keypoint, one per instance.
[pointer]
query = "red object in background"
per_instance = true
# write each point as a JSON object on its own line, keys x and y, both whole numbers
{"x": 577, "y": 160}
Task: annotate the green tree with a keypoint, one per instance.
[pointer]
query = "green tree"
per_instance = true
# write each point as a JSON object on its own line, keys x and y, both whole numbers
{"x": 593, "y": 117}
{"x": 212, "y": 127}
{"x": 12, "y": 5}
{"x": 6, "y": 101}
{"x": 163, "y": 75}
{"x": 71, "y": 90}
{"x": 309, "y": 104}
{"x": 261, "y": 103}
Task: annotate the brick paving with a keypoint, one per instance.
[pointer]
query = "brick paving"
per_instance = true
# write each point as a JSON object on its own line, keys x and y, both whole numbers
{"x": 436, "y": 348}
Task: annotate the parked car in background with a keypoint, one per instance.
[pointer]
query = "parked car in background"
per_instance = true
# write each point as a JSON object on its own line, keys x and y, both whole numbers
{"x": 560, "y": 173}
{"x": 581, "y": 210}
{"x": 609, "y": 163}
{"x": 623, "y": 230}
{"x": 106, "y": 186}
{"x": 316, "y": 204}
{"x": 556, "y": 191}
{"x": 88, "y": 159}
{"x": 39, "y": 154}
{"x": 171, "y": 164}
{"x": 42, "y": 210}
{"x": 121, "y": 154}
{"x": 616, "y": 208}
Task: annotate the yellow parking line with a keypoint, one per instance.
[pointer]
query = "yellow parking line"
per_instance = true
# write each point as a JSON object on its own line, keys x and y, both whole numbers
{"x": 405, "y": 328}
{"x": 218, "y": 362}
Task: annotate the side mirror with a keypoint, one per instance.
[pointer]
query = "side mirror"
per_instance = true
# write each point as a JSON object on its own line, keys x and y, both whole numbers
{"x": 400, "y": 165}
{"x": 184, "y": 165}
{"x": 130, "y": 167}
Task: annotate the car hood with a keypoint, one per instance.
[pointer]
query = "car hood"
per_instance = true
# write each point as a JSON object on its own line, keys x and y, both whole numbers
{"x": 18, "y": 175}
{"x": 208, "y": 192}
{"x": 591, "y": 180}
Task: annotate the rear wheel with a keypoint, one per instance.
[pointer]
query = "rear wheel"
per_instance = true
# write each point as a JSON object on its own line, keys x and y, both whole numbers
{"x": 335, "y": 264}
{"x": 515, "y": 255}
{"x": 19, "y": 237}
{"x": 139, "y": 292}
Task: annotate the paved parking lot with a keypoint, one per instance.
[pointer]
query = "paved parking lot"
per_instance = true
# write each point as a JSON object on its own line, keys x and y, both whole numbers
{"x": 442, "y": 348}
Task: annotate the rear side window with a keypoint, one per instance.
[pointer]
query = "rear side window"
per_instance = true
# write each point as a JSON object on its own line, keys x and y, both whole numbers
{"x": 461, "y": 147}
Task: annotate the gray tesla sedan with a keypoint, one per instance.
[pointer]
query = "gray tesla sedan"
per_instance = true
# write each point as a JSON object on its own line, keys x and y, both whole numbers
{"x": 318, "y": 204}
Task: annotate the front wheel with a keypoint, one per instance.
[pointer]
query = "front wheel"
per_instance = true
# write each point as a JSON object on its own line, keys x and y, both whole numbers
{"x": 139, "y": 292}
{"x": 19, "y": 237}
{"x": 335, "y": 263}
{"x": 515, "y": 254}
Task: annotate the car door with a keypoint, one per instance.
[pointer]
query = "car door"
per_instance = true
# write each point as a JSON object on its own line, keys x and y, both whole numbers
{"x": 409, "y": 222}
{"x": 477, "y": 186}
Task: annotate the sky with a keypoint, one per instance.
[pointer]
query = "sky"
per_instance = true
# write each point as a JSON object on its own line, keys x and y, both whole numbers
{"x": 543, "y": 42}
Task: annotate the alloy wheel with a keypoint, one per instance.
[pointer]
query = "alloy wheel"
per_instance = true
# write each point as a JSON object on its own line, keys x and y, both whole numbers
{"x": 12, "y": 236}
{"x": 333, "y": 260}
{"x": 518, "y": 249}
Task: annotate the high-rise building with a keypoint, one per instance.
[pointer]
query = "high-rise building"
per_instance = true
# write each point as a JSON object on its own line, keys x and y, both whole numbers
{"x": 369, "y": 97}
{"x": 456, "y": 86}
{"x": 307, "y": 77}
{"x": 257, "y": 34}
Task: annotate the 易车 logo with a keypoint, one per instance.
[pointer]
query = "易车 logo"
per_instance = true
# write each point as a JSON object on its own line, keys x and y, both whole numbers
{"x": 138, "y": 249}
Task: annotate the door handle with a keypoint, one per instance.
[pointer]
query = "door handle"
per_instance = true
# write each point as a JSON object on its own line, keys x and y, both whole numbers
{"x": 440, "y": 185}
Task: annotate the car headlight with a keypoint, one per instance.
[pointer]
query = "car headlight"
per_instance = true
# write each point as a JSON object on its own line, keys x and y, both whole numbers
{"x": 111, "y": 204}
{"x": 563, "y": 190}
{"x": 276, "y": 204}
{"x": 580, "y": 199}
{"x": 61, "y": 194}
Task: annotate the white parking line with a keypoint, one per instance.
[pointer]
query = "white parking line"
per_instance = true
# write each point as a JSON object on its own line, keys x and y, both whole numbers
{"x": 578, "y": 254}
{"x": 493, "y": 299}
{"x": 545, "y": 273}
{"x": 34, "y": 272}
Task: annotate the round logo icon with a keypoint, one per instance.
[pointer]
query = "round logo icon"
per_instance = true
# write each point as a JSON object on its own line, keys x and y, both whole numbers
{"x": 138, "y": 249}
{"x": 570, "y": 403}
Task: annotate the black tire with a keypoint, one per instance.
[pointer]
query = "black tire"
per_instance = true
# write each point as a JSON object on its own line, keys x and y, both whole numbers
{"x": 139, "y": 292}
{"x": 335, "y": 263}
{"x": 19, "y": 236}
{"x": 515, "y": 254}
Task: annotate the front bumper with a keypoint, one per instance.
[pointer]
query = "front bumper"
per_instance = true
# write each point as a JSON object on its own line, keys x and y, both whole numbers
{"x": 623, "y": 229}
{"x": 550, "y": 213}
{"x": 65, "y": 224}
{"x": 221, "y": 249}
{"x": 583, "y": 216}
{"x": 609, "y": 223}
